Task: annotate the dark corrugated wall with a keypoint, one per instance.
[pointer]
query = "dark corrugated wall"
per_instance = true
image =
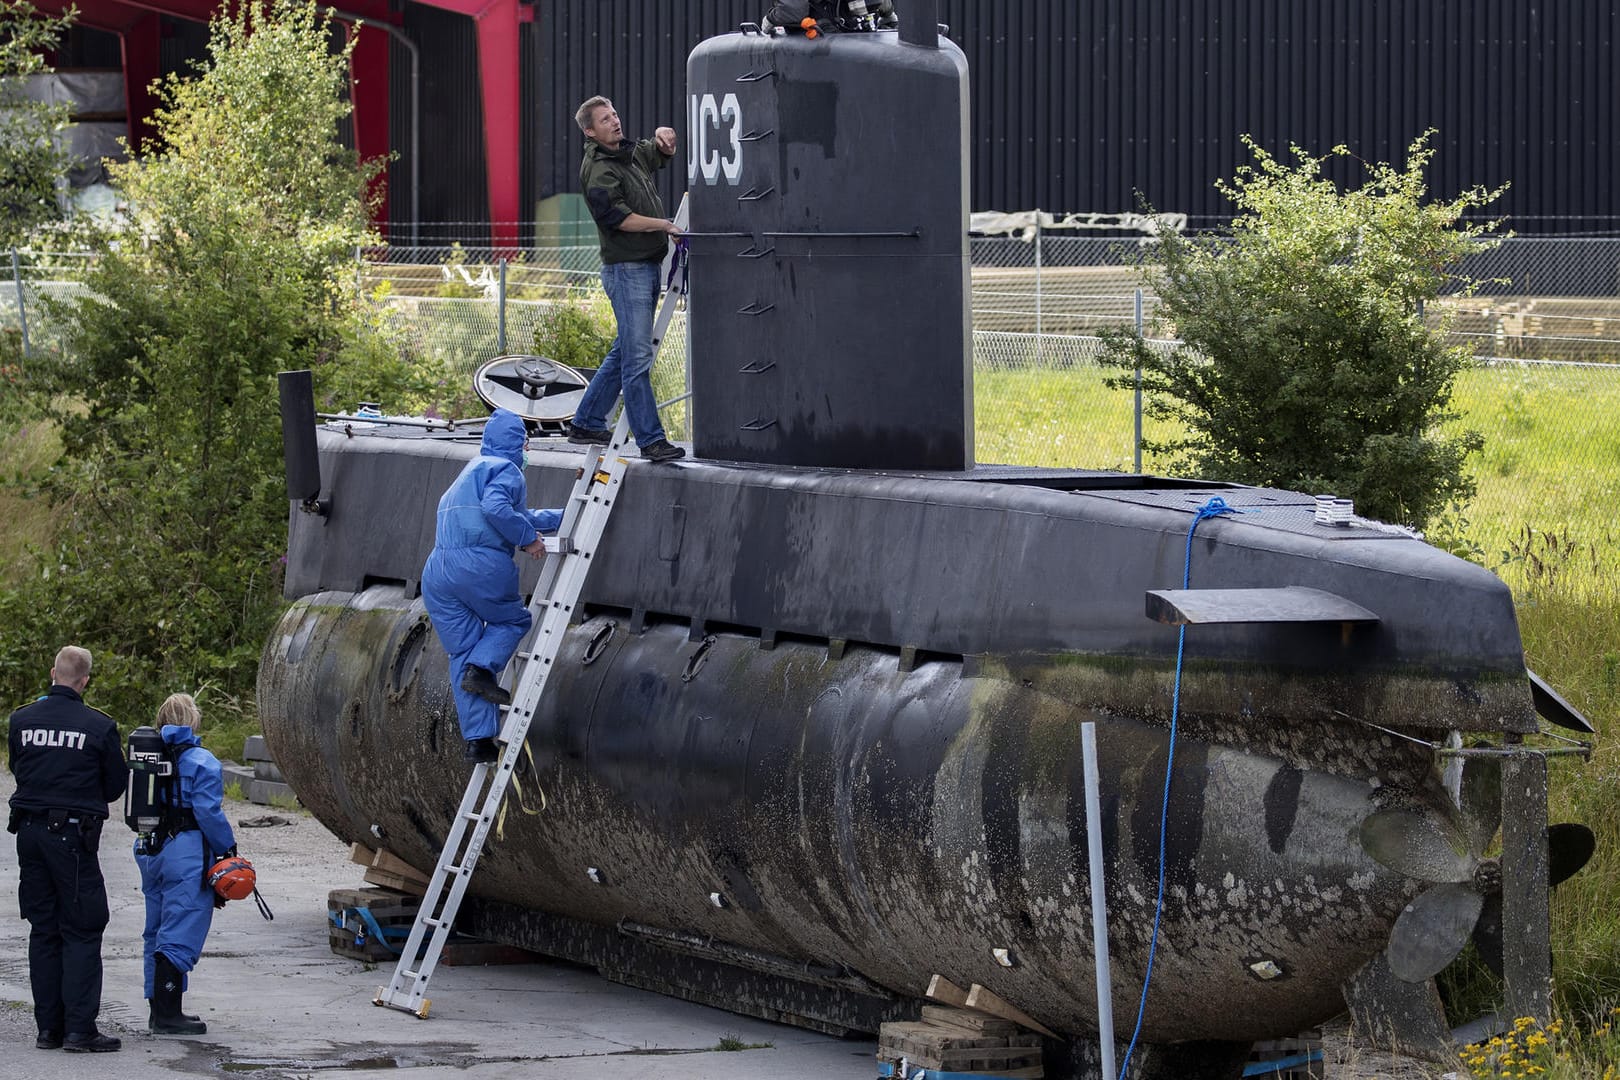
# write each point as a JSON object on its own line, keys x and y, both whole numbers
{"x": 632, "y": 51}
{"x": 454, "y": 184}
{"x": 1080, "y": 104}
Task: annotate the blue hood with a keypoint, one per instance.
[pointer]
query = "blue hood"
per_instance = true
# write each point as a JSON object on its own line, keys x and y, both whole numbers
{"x": 180, "y": 735}
{"x": 505, "y": 437}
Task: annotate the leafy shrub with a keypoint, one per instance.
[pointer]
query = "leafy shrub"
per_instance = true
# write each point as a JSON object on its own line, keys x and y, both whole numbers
{"x": 1304, "y": 360}
{"x": 577, "y": 332}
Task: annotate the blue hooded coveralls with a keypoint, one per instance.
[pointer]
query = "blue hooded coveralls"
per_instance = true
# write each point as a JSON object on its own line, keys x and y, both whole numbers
{"x": 470, "y": 583}
{"x": 179, "y": 903}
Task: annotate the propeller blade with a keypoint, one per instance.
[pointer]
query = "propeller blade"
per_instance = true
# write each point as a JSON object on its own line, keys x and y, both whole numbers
{"x": 1481, "y": 801}
{"x": 1432, "y": 931}
{"x": 1488, "y": 933}
{"x": 1569, "y": 846}
{"x": 1425, "y": 846}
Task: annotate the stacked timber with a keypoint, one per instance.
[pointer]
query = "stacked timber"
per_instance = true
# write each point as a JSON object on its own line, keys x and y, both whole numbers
{"x": 390, "y": 871}
{"x": 972, "y": 1033}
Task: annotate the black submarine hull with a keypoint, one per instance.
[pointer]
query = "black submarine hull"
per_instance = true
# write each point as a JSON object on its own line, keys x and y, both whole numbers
{"x": 900, "y": 794}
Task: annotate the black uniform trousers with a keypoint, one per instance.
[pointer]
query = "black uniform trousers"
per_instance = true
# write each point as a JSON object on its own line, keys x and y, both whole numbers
{"x": 64, "y": 899}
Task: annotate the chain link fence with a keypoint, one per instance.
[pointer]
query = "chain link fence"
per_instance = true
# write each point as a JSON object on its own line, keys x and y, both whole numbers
{"x": 1546, "y": 393}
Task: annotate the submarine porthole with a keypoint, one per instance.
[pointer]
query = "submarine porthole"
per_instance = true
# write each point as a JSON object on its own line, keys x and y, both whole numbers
{"x": 694, "y": 663}
{"x": 599, "y": 642}
{"x": 407, "y": 658}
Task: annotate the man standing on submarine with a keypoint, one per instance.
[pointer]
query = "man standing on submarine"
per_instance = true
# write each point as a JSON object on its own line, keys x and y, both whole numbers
{"x": 617, "y": 179}
{"x": 470, "y": 583}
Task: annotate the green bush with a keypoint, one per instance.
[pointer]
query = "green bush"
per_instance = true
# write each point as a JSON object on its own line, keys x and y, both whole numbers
{"x": 1304, "y": 361}
{"x": 576, "y": 332}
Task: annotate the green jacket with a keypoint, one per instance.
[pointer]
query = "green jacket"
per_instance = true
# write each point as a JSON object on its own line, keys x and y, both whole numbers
{"x": 618, "y": 183}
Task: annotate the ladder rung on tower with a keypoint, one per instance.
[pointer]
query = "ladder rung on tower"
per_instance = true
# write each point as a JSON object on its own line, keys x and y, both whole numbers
{"x": 568, "y": 562}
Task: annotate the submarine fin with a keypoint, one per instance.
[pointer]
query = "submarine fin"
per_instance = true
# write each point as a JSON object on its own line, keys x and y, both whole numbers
{"x": 1432, "y": 930}
{"x": 1551, "y": 707}
{"x": 1289, "y": 604}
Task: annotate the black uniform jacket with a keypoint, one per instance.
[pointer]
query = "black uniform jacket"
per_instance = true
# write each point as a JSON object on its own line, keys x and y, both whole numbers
{"x": 65, "y": 755}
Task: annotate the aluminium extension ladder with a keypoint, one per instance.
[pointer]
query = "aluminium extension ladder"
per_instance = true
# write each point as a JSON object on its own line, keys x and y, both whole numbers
{"x": 570, "y": 554}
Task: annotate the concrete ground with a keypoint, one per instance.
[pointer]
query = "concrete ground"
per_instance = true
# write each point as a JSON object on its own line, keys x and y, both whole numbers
{"x": 279, "y": 1004}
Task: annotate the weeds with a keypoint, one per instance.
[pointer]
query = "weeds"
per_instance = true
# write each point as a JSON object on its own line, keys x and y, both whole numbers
{"x": 1556, "y": 1052}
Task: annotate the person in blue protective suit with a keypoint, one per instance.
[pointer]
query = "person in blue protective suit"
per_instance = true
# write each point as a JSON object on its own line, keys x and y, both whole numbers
{"x": 179, "y": 901}
{"x": 470, "y": 583}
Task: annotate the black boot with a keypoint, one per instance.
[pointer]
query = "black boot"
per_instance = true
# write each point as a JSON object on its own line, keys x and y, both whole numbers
{"x": 167, "y": 1019}
{"x": 481, "y": 751}
{"x": 482, "y": 681}
{"x": 151, "y": 1017}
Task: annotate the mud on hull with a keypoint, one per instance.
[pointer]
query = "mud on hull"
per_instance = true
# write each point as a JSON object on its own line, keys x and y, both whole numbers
{"x": 872, "y": 825}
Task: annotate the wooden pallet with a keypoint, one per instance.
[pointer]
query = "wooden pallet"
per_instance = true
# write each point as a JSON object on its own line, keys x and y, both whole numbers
{"x": 957, "y": 1040}
{"x": 350, "y": 936}
{"x": 394, "y": 911}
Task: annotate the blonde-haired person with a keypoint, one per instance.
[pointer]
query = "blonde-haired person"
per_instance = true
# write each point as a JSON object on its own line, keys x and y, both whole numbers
{"x": 194, "y": 835}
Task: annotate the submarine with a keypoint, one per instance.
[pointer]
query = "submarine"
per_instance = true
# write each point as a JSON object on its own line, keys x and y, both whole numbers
{"x": 814, "y": 735}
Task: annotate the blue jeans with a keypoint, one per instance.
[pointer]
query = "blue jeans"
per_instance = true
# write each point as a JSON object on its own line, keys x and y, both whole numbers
{"x": 632, "y": 289}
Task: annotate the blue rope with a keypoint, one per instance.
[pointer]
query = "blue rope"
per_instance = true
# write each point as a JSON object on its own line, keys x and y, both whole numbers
{"x": 1215, "y": 507}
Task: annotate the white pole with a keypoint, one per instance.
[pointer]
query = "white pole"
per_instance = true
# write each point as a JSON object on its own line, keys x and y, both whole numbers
{"x": 1099, "y": 902}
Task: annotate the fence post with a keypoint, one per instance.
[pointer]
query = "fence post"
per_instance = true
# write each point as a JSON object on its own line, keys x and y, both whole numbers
{"x": 500, "y": 313}
{"x": 1139, "y": 341}
{"x": 22, "y": 310}
{"x": 1040, "y": 331}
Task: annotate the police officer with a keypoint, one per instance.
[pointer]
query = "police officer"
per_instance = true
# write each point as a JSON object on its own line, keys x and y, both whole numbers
{"x": 69, "y": 765}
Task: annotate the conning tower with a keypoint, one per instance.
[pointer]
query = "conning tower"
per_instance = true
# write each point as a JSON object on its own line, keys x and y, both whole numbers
{"x": 829, "y": 310}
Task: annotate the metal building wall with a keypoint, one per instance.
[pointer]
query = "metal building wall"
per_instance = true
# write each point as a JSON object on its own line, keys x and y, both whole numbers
{"x": 632, "y": 51}
{"x": 1080, "y": 104}
{"x": 454, "y": 187}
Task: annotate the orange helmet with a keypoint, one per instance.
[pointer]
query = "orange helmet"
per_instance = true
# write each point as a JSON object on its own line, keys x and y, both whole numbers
{"x": 233, "y": 878}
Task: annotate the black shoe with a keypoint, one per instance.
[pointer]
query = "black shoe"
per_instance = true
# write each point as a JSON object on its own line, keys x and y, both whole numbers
{"x": 662, "y": 450}
{"x": 482, "y": 681}
{"x": 48, "y": 1040}
{"x": 90, "y": 1043}
{"x": 481, "y": 752}
{"x": 588, "y": 436}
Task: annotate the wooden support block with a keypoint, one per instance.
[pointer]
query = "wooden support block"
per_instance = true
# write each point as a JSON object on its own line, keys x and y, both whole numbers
{"x": 942, "y": 989}
{"x": 932, "y": 1038}
{"x": 395, "y": 881}
{"x": 359, "y": 853}
{"x": 967, "y": 1018}
{"x": 985, "y": 1000}
{"x": 472, "y": 953}
{"x": 389, "y": 863}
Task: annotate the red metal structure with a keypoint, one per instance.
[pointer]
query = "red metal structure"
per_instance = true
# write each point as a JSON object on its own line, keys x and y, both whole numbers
{"x": 136, "y": 22}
